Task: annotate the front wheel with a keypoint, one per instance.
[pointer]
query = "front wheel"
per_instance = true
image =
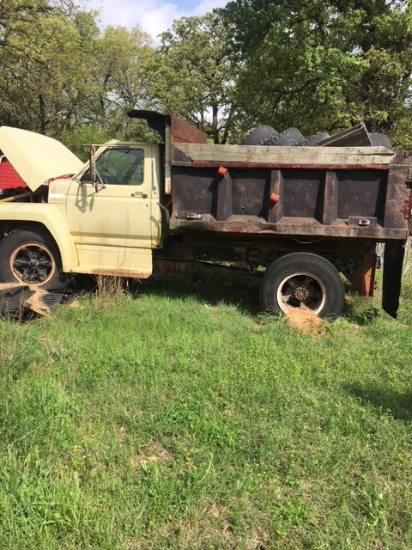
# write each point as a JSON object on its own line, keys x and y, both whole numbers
{"x": 302, "y": 280}
{"x": 30, "y": 257}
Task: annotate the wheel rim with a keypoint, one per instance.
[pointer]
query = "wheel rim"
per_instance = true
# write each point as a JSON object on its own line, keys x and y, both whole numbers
{"x": 301, "y": 290}
{"x": 32, "y": 263}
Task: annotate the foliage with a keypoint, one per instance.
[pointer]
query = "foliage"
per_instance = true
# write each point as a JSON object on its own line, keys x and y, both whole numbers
{"x": 316, "y": 65}
{"x": 181, "y": 419}
{"x": 43, "y": 65}
{"x": 120, "y": 76}
{"x": 324, "y": 65}
{"x": 62, "y": 78}
{"x": 194, "y": 75}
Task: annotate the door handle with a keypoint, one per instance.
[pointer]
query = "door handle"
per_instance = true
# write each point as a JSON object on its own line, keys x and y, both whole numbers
{"x": 140, "y": 194}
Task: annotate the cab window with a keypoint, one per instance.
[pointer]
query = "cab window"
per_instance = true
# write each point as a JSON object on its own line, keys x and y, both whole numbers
{"x": 120, "y": 166}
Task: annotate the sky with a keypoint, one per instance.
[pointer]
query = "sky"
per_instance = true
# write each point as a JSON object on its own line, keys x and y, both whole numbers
{"x": 153, "y": 16}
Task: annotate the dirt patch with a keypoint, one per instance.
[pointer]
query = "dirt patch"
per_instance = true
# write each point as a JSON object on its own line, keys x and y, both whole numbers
{"x": 156, "y": 453}
{"x": 306, "y": 321}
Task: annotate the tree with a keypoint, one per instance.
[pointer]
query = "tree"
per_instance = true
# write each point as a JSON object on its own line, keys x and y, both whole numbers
{"x": 121, "y": 75}
{"x": 62, "y": 78}
{"x": 42, "y": 59}
{"x": 323, "y": 64}
{"x": 194, "y": 75}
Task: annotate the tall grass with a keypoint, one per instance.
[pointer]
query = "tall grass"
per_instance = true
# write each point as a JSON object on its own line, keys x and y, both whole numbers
{"x": 182, "y": 418}
{"x": 407, "y": 266}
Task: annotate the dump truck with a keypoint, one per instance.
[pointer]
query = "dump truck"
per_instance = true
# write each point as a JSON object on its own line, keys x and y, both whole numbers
{"x": 303, "y": 219}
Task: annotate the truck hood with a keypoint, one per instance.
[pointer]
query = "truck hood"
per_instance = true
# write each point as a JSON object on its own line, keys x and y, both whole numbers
{"x": 37, "y": 158}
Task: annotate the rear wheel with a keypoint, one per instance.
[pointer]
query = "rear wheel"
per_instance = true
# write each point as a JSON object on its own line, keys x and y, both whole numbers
{"x": 31, "y": 257}
{"x": 302, "y": 280}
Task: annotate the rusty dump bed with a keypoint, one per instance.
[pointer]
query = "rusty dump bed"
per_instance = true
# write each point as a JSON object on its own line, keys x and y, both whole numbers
{"x": 346, "y": 192}
{"x": 360, "y": 192}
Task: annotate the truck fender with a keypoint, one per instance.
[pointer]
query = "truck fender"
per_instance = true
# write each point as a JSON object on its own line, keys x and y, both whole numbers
{"x": 49, "y": 217}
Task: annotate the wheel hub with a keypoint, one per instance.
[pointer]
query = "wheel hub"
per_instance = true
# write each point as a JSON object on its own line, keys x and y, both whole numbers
{"x": 33, "y": 263}
{"x": 301, "y": 293}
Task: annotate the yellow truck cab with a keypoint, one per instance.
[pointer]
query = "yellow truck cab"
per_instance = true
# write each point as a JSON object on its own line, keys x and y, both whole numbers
{"x": 105, "y": 223}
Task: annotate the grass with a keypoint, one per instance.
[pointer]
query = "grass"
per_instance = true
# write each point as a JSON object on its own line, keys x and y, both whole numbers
{"x": 185, "y": 419}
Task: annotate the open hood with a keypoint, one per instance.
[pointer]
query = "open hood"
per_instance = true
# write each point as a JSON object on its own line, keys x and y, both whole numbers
{"x": 37, "y": 158}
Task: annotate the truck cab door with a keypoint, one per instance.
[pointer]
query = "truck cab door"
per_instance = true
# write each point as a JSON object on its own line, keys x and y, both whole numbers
{"x": 116, "y": 220}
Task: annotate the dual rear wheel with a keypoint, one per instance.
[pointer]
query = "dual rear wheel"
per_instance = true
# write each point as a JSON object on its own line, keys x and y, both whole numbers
{"x": 303, "y": 280}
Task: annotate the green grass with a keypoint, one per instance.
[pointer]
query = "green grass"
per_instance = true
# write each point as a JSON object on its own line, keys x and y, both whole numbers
{"x": 185, "y": 419}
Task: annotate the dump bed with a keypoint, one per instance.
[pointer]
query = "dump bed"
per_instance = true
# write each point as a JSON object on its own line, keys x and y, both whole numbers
{"x": 348, "y": 192}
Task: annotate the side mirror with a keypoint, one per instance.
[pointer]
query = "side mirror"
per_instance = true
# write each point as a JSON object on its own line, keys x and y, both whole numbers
{"x": 92, "y": 163}
{"x": 91, "y": 176}
{"x": 92, "y": 168}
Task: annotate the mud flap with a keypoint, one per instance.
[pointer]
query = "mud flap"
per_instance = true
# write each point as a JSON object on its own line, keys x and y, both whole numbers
{"x": 18, "y": 300}
{"x": 392, "y": 276}
{"x": 13, "y": 298}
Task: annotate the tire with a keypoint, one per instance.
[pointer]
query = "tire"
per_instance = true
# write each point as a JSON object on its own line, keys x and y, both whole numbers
{"x": 291, "y": 137}
{"x": 305, "y": 280}
{"x": 317, "y": 138}
{"x": 30, "y": 256}
{"x": 258, "y": 135}
{"x": 271, "y": 139}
